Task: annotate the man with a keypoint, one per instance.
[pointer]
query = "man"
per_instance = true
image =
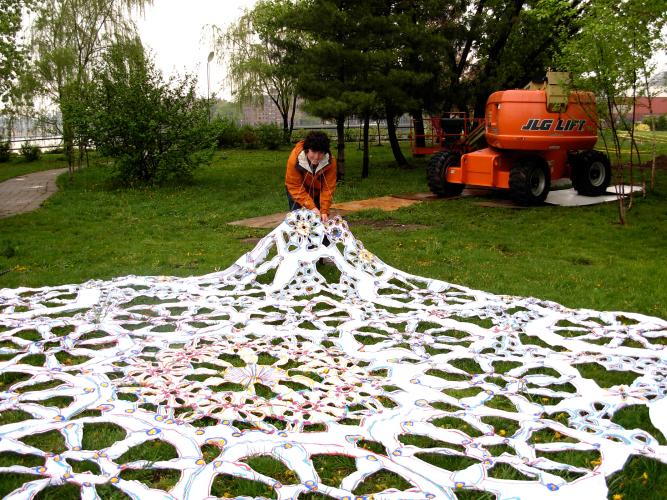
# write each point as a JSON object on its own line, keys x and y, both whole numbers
{"x": 310, "y": 178}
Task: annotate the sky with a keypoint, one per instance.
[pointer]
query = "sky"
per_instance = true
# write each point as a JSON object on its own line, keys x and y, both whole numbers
{"x": 174, "y": 31}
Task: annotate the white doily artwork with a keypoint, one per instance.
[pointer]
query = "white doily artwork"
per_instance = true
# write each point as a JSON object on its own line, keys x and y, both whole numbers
{"x": 429, "y": 385}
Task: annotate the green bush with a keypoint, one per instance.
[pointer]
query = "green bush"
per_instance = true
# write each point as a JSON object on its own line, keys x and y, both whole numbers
{"x": 298, "y": 135}
{"x": 5, "y": 152}
{"x": 352, "y": 134}
{"x": 156, "y": 131}
{"x": 30, "y": 152}
{"x": 271, "y": 136}
{"x": 249, "y": 137}
{"x": 226, "y": 132}
{"x": 659, "y": 121}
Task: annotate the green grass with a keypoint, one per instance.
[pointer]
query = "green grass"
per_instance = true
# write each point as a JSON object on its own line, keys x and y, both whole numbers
{"x": 17, "y": 166}
{"x": 640, "y": 478}
{"x": 580, "y": 257}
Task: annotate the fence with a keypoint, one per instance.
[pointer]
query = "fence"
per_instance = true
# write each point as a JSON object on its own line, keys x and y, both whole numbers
{"x": 44, "y": 143}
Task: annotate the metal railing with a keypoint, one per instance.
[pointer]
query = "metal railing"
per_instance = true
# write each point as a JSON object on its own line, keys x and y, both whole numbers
{"x": 43, "y": 143}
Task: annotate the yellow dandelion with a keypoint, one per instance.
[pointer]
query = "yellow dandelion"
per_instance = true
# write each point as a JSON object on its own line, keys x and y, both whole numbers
{"x": 617, "y": 496}
{"x": 502, "y": 432}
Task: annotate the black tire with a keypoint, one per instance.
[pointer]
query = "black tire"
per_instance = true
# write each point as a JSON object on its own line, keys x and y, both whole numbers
{"x": 436, "y": 174}
{"x": 530, "y": 181}
{"x": 591, "y": 173}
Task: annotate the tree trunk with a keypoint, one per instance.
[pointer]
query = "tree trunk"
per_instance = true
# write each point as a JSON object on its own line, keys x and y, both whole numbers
{"x": 619, "y": 163}
{"x": 653, "y": 134}
{"x": 340, "y": 130}
{"x": 286, "y": 128}
{"x": 68, "y": 128}
{"x": 364, "y": 167}
{"x": 10, "y": 127}
{"x": 291, "y": 120}
{"x": 420, "y": 134}
{"x": 379, "y": 136}
{"x": 68, "y": 143}
{"x": 393, "y": 140}
{"x": 82, "y": 150}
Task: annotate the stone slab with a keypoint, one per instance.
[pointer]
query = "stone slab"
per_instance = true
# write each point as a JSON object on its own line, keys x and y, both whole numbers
{"x": 570, "y": 198}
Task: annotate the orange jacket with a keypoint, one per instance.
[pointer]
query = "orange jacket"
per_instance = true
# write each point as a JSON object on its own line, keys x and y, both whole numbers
{"x": 304, "y": 185}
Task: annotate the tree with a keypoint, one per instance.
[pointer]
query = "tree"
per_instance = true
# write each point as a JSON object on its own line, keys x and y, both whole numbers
{"x": 409, "y": 74}
{"x": 611, "y": 59}
{"x": 68, "y": 37}
{"x": 326, "y": 63}
{"x": 491, "y": 45}
{"x": 156, "y": 131}
{"x": 12, "y": 53}
{"x": 13, "y": 61}
{"x": 255, "y": 48}
{"x": 350, "y": 62}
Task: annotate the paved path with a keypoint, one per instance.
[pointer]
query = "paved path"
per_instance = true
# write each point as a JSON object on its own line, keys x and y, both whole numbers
{"x": 28, "y": 192}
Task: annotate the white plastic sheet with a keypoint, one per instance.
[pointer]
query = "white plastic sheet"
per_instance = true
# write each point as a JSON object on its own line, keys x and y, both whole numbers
{"x": 269, "y": 349}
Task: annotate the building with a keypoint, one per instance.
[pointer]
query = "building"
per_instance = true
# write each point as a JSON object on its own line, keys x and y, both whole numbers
{"x": 267, "y": 112}
{"x": 658, "y": 107}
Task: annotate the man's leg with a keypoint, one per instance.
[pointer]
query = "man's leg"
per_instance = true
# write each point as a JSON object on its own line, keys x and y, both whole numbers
{"x": 293, "y": 205}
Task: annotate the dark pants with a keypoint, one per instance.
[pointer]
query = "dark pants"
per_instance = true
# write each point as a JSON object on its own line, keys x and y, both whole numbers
{"x": 293, "y": 205}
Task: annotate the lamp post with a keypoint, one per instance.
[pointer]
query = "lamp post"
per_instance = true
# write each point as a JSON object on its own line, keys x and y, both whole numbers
{"x": 208, "y": 83}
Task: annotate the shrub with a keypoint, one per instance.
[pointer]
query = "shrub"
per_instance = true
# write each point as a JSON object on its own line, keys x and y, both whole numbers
{"x": 5, "y": 152}
{"x": 249, "y": 137}
{"x": 299, "y": 135}
{"x": 271, "y": 136}
{"x": 659, "y": 122}
{"x": 156, "y": 131}
{"x": 226, "y": 132}
{"x": 30, "y": 152}
{"x": 352, "y": 134}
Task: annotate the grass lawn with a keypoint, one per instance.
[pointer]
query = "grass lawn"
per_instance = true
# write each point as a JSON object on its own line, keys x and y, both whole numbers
{"x": 580, "y": 257}
{"x": 18, "y": 166}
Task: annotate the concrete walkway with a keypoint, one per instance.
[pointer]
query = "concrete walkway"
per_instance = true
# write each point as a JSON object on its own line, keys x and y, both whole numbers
{"x": 28, "y": 192}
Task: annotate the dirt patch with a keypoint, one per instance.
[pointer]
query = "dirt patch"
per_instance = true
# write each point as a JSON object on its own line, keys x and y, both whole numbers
{"x": 470, "y": 191}
{"x": 385, "y": 203}
{"x": 251, "y": 241}
{"x": 498, "y": 204}
{"x": 381, "y": 224}
{"x": 660, "y": 163}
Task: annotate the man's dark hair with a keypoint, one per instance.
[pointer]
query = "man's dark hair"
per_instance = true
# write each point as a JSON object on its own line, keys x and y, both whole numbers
{"x": 316, "y": 140}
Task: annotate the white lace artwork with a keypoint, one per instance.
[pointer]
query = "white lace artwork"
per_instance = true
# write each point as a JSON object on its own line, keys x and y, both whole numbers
{"x": 437, "y": 387}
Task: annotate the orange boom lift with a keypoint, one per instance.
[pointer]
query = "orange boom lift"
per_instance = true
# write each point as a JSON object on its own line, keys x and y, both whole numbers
{"x": 534, "y": 136}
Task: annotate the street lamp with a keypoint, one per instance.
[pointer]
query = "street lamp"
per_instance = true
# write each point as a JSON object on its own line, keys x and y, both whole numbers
{"x": 208, "y": 83}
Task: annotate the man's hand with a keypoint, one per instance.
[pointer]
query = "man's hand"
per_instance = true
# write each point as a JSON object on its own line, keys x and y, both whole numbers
{"x": 323, "y": 217}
